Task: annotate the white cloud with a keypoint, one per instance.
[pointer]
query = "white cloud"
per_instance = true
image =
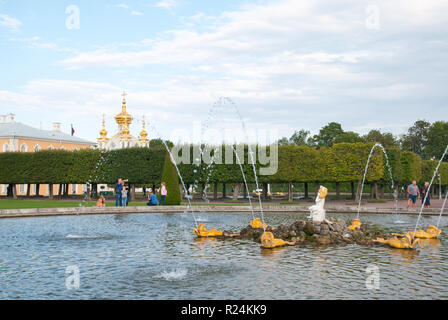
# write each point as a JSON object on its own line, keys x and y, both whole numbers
{"x": 166, "y": 4}
{"x": 37, "y": 42}
{"x": 10, "y": 23}
{"x": 123, "y": 5}
{"x": 137, "y": 13}
{"x": 293, "y": 64}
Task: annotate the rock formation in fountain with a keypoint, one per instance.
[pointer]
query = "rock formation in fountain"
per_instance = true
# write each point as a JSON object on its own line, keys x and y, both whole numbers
{"x": 328, "y": 232}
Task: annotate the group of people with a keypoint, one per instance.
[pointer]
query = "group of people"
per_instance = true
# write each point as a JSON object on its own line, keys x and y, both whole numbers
{"x": 152, "y": 198}
{"x": 414, "y": 193}
{"x": 122, "y": 194}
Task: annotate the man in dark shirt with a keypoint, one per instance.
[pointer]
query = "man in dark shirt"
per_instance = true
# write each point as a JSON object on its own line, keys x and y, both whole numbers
{"x": 119, "y": 185}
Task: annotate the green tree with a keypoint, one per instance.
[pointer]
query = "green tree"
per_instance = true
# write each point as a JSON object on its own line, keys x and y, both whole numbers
{"x": 327, "y": 135}
{"x": 437, "y": 140}
{"x": 387, "y": 139}
{"x": 283, "y": 141}
{"x": 416, "y": 138}
{"x": 348, "y": 137}
{"x": 299, "y": 138}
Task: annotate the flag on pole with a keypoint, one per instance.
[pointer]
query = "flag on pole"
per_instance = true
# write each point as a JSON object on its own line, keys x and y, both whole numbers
{"x": 73, "y": 130}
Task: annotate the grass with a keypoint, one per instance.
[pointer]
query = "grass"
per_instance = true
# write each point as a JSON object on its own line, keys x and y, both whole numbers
{"x": 293, "y": 204}
{"x": 377, "y": 201}
{"x": 31, "y": 204}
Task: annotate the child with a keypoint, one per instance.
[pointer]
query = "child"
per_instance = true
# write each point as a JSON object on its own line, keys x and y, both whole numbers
{"x": 163, "y": 194}
{"x": 124, "y": 197}
{"x": 101, "y": 201}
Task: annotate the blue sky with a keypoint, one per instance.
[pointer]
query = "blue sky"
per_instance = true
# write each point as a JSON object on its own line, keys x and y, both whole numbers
{"x": 287, "y": 64}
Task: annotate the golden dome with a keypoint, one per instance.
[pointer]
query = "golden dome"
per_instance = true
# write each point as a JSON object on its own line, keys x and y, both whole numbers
{"x": 125, "y": 133}
{"x": 103, "y": 131}
{"x": 124, "y": 117}
{"x": 143, "y": 133}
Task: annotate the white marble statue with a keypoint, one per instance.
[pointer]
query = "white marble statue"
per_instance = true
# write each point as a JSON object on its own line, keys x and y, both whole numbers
{"x": 317, "y": 212}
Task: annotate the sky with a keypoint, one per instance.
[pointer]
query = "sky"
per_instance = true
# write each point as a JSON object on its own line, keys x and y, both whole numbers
{"x": 286, "y": 65}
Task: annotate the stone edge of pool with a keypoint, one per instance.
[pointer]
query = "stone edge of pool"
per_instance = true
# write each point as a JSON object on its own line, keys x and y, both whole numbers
{"x": 46, "y": 212}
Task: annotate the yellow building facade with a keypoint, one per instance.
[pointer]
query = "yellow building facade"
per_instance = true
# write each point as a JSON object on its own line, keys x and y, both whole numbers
{"x": 18, "y": 137}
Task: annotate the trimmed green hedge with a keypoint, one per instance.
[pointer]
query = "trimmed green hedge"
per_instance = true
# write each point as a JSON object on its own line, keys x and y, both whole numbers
{"x": 343, "y": 162}
{"x": 171, "y": 180}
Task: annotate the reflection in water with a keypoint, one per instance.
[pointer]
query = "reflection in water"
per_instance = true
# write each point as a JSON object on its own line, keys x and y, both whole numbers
{"x": 158, "y": 257}
{"x": 404, "y": 255}
{"x": 430, "y": 243}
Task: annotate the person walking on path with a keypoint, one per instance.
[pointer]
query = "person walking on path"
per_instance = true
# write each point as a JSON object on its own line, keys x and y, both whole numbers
{"x": 152, "y": 199}
{"x": 425, "y": 192}
{"x": 414, "y": 193}
{"x": 163, "y": 193}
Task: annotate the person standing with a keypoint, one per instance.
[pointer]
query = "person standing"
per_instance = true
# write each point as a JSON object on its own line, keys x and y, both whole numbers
{"x": 426, "y": 193}
{"x": 414, "y": 193}
{"x": 118, "y": 189}
{"x": 163, "y": 193}
{"x": 124, "y": 197}
{"x": 128, "y": 191}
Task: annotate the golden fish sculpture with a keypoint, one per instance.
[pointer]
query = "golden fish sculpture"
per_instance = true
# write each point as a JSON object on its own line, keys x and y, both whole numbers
{"x": 431, "y": 233}
{"x": 356, "y": 224}
{"x": 257, "y": 224}
{"x": 201, "y": 231}
{"x": 268, "y": 241}
{"x": 405, "y": 242}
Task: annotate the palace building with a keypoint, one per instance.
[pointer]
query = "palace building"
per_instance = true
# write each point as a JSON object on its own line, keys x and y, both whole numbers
{"x": 19, "y": 137}
{"x": 123, "y": 138}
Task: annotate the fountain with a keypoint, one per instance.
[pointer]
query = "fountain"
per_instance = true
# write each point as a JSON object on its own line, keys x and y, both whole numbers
{"x": 441, "y": 210}
{"x": 173, "y": 161}
{"x": 220, "y": 103}
{"x": 426, "y": 195}
{"x": 410, "y": 240}
{"x": 317, "y": 211}
{"x": 357, "y": 222}
{"x": 268, "y": 241}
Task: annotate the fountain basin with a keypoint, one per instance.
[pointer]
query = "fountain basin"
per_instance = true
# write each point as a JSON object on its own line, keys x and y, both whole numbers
{"x": 156, "y": 256}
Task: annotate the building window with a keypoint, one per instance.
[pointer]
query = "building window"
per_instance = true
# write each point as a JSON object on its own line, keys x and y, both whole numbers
{"x": 24, "y": 148}
{"x": 75, "y": 149}
{"x": 62, "y": 148}
{"x": 5, "y": 147}
{"x": 22, "y": 186}
{"x": 74, "y": 191}
{"x": 50, "y": 147}
{"x": 37, "y": 148}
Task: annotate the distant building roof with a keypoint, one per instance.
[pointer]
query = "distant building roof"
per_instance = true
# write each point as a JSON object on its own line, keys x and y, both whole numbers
{"x": 20, "y": 130}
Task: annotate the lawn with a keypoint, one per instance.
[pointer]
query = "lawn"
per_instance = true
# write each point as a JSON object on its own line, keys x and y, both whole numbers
{"x": 28, "y": 204}
{"x": 45, "y": 203}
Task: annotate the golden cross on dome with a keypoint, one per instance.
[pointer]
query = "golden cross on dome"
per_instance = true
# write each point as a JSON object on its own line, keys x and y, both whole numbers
{"x": 124, "y": 94}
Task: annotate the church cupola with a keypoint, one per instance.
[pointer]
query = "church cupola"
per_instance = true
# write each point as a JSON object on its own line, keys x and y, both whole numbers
{"x": 123, "y": 117}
